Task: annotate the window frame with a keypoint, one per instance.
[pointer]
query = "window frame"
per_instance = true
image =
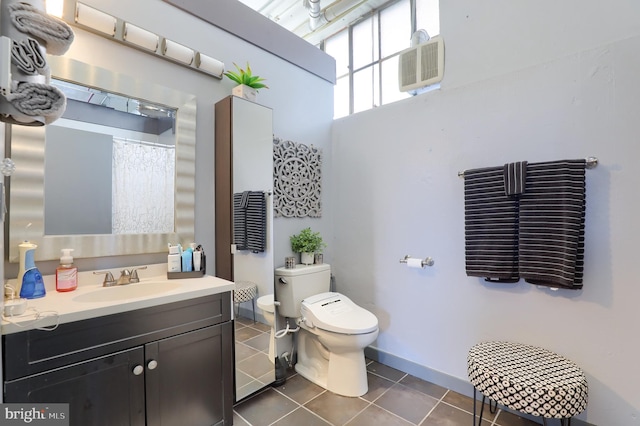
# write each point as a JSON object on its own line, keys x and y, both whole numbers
{"x": 374, "y": 15}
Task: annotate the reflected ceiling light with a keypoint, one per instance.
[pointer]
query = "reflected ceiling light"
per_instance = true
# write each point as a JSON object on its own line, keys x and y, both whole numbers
{"x": 140, "y": 37}
{"x": 55, "y": 7}
{"x": 95, "y": 19}
{"x": 177, "y": 52}
{"x": 209, "y": 64}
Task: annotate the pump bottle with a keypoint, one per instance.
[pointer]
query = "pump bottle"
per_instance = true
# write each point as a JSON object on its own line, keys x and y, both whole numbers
{"x": 66, "y": 273}
{"x": 29, "y": 277}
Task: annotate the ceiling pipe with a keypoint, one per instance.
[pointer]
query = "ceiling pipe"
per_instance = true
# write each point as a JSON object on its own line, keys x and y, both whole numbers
{"x": 319, "y": 17}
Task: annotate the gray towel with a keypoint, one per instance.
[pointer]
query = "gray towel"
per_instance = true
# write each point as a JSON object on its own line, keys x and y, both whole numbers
{"x": 552, "y": 223}
{"x": 515, "y": 178}
{"x": 38, "y": 99}
{"x": 28, "y": 57}
{"x": 491, "y": 226}
{"x": 28, "y": 19}
{"x": 250, "y": 221}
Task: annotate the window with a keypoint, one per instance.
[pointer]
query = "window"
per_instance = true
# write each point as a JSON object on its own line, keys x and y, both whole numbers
{"x": 366, "y": 53}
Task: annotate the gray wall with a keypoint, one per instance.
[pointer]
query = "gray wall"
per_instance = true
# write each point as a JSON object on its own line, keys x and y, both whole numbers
{"x": 529, "y": 81}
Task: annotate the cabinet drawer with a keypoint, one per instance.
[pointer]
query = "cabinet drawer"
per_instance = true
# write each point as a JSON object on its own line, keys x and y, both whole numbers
{"x": 34, "y": 351}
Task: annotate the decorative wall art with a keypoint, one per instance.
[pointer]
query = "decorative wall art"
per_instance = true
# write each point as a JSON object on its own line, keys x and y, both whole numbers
{"x": 297, "y": 179}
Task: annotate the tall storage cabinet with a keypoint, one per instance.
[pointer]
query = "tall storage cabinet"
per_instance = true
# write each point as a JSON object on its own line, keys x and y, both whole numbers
{"x": 244, "y": 163}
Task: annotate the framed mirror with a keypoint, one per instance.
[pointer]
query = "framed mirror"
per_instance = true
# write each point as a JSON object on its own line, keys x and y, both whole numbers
{"x": 77, "y": 162}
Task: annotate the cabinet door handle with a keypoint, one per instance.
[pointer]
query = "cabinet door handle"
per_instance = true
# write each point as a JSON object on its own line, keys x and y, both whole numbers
{"x": 152, "y": 364}
{"x": 138, "y": 370}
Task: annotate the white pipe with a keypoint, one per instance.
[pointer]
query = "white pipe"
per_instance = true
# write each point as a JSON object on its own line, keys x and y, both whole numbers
{"x": 281, "y": 333}
{"x": 319, "y": 17}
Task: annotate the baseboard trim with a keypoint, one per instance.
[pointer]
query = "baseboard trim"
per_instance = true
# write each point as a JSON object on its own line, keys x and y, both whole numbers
{"x": 441, "y": 379}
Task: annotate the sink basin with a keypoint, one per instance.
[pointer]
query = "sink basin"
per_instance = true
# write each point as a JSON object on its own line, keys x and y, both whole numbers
{"x": 128, "y": 291}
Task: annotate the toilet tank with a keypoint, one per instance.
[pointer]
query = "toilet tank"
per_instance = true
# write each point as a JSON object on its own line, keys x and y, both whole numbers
{"x": 294, "y": 285}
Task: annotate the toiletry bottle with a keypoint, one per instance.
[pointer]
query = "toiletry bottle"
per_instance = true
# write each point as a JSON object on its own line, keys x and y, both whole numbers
{"x": 187, "y": 260}
{"x": 173, "y": 259}
{"x": 29, "y": 278}
{"x": 197, "y": 258}
{"x": 66, "y": 273}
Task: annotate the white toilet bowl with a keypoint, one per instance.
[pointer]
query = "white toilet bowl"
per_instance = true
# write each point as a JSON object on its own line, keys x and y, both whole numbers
{"x": 334, "y": 332}
{"x": 265, "y": 303}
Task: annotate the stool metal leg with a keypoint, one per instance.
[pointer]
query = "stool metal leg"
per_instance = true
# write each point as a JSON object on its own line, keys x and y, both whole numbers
{"x": 493, "y": 409}
{"x": 474, "y": 406}
{"x": 253, "y": 308}
{"x": 481, "y": 408}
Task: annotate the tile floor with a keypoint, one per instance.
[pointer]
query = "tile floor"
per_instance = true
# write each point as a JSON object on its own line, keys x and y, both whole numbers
{"x": 394, "y": 399}
{"x": 253, "y": 367}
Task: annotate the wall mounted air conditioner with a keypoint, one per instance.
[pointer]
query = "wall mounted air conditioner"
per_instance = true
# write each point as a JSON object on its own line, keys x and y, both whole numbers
{"x": 421, "y": 65}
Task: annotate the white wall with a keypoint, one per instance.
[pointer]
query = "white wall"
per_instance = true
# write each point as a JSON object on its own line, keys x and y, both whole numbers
{"x": 537, "y": 81}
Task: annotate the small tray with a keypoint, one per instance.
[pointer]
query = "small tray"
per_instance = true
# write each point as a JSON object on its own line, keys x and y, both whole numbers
{"x": 193, "y": 274}
{"x": 180, "y": 275}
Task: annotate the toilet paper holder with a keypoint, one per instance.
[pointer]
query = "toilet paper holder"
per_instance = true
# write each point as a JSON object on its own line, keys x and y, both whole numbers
{"x": 428, "y": 261}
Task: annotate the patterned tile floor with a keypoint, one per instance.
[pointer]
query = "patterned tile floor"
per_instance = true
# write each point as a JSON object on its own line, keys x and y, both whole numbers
{"x": 394, "y": 399}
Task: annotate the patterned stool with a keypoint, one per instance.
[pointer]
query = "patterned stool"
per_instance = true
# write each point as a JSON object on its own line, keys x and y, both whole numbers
{"x": 245, "y": 291}
{"x": 528, "y": 379}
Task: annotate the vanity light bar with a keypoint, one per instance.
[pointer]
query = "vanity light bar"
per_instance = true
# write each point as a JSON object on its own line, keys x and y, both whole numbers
{"x": 209, "y": 64}
{"x": 113, "y": 28}
{"x": 140, "y": 37}
{"x": 177, "y": 52}
{"x": 95, "y": 19}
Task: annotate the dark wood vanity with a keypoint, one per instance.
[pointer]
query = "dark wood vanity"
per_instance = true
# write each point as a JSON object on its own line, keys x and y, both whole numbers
{"x": 170, "y": 364}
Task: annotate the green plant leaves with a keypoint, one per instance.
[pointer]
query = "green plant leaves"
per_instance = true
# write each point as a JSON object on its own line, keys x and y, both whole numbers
{"x": 307, "y": 241}
{"x": 246, "y": 77}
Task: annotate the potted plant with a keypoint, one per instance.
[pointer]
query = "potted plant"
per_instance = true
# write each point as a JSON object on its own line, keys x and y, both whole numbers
{"x": 248, "y": 84}
{"x": 307, "y": 243}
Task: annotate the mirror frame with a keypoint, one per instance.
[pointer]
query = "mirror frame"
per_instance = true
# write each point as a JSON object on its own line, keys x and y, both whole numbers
{"x": 26, "y": 147}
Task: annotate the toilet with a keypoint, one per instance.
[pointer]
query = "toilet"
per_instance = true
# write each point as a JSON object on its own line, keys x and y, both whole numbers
{"x": 265, "y": 303}
{"x": 333, "y": 330}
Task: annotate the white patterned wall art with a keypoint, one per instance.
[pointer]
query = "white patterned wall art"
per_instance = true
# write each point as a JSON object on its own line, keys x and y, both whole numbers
{"x": 297, "y": 179}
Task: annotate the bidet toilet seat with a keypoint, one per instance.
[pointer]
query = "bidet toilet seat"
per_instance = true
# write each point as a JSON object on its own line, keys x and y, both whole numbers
{"x": 335, "y": 312}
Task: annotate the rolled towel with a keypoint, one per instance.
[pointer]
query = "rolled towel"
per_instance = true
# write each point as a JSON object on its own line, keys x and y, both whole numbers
{"x": 38, "y": 99}
{"x": 28, "y": 19}
{"x": 28, "y": 57}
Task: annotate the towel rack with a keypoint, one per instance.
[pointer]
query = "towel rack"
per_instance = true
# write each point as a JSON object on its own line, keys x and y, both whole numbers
{"x": 590, "y": 163}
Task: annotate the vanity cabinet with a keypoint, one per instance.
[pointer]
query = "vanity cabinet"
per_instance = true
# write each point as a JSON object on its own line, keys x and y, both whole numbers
{"x": 164, "y": 365}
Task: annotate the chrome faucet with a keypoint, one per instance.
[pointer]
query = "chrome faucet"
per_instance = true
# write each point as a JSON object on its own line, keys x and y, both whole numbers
{"x": 126, "y": 277}
{"x": 109, "y": 281}
{"x": 129, "y": 276}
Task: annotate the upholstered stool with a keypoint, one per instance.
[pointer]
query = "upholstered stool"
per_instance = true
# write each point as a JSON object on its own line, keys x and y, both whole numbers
{"x": 245, "y": 291}
{"x": 528, "y": 379}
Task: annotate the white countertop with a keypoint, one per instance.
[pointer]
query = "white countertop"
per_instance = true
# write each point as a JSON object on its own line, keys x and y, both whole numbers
{"x": 64, "y": 307}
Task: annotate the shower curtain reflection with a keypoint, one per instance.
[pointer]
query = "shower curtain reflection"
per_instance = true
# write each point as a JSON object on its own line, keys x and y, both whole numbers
{"x": 143, "y": 187}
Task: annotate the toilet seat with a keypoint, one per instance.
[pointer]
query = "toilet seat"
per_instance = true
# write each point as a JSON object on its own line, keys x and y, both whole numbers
{"x": 266, "y": 303}
{"x": 336, "y": 313}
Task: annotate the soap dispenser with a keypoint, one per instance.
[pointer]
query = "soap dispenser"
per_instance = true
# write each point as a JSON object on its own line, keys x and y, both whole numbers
{"x": 29, "y": 278}
{"x": 66, "y": 273}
